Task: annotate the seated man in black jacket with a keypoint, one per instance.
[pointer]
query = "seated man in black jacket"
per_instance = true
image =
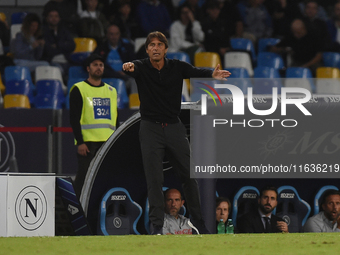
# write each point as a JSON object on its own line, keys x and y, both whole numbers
{"x": 261, "y": 220}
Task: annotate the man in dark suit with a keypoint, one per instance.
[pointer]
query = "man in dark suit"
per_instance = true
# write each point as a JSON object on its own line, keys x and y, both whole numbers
{"x": 262, "y": 220}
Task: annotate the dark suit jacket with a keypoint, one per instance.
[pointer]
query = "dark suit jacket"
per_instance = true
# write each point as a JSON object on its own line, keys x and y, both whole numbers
{"x": 251, "y": 223}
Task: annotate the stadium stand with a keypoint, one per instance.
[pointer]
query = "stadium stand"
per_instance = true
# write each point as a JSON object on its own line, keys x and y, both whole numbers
{"x": 134, "y": 102}
{"x": 42, "y": 101}
{"x": 244, "y": 200}
{"x": 207, "y": 59}
{"x": 265, "y": 79}
{"x": 21, "y": 87}
{"x": 84, "y": 47}
{"x": 327, "y": 72}
{"x": 49, "y": 73}
{"x": 179, "y": 55}
{"x": 238, "y": 59}
{"x": 299, "y": 77}
{"x": 16, "y": 101}
{"x": 331, "y": 59}
{"x": 243, "y": 44}
{"x": 18, "y": 17}
{"x": 292, "y": 208}
{"x": 139, "y": 42}
{"x": 270, "y": 59}
{"x": 2, "y": 86}
{"x": 18, "y": 73}
{"x": 75, "y": 72}
{"x": 263, "y": 43}
{"x": 118, "y": 213}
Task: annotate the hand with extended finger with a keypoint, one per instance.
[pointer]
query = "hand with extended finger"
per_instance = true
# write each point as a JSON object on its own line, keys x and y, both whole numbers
{"x": 220, "y": 74}
{"x": 129, "y": 67}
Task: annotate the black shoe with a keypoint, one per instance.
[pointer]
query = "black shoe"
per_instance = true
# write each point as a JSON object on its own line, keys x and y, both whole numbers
{"x": 200, "y": 225}
{"x": 156, "y": 230}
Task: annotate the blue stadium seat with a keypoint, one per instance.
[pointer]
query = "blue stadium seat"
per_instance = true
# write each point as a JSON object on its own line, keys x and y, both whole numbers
{"x": 119, "y": 85}
{"x": 18, "y": 73}
{"x": 263, "y": 43}
{"x": 50, "y": 87}
{"x": 244, "y": 201}
{"x": 67, "y": 101}
{"x": 238, "y": 72}
{"x": 319, "y": 197}
{"x": 265, "y": 79}
{"x": 292, "y": 208}
{"x": 79, "y": 57}
{"x": 182, "y": 211}
{"x": 270, "y": 59}
{"x": 118, "y": 213}
{"x": 21, "y": 87}
{"x": 243, "y": 44}
{"x": 179, "y": 55}
{"x": 76, "y": 72}
{"x": 18, "y": 17}
{"x": 48, "y": 101}
{"x": 331, "y": 59}
{"x": 71, "y": 82}
{"x": 300, "y": 77}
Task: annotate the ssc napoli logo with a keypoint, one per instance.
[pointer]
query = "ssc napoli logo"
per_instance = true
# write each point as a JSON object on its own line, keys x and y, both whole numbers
{"x": 7, "y": 150}
{"x": 31, "y": 208}
{"x": 286, "y": 219}
{"x": 117, "y": 222}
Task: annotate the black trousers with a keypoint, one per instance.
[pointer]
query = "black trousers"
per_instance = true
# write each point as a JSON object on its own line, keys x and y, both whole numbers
{"x": 83, "y": 165}
{"x": 158, "y": 139}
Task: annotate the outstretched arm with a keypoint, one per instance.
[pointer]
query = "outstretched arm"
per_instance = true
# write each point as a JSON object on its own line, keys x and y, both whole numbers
{"x": 220, "y": 74}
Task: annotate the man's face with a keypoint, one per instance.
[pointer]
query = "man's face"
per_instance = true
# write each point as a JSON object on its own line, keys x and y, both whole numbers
{"x": 96, "y": 69}
{"x": 173, "y": 202}
{"x": 53, "y": 18}
{"x": 268, "y": 201}
{"x": 331, "y": 207}
{"x": 311, "y": 10}
{"x": 222, "y": 212}
{"x": 113, "y": 35}
{"x": 337, "y": 11}
{"x": 156, "y": 50}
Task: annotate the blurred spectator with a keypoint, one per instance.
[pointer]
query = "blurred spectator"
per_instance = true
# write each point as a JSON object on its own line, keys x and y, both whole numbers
{"x": 232, "y": 17}
{"x": 283, "y": 12}
{"x": 186, "y": 33}
{"x": 59, "y": 43}
{"x": 223, "y": 207}
{"x": 333, "y": 26}
{"x": 125, "y": 21}
{"x": 92, "y": 23}
{"x": 217, "y": 38}
{"x": 28, "y": 45}
{"x": 321, "y": 13}
{"x": 153, "y": 16}
{"x": 4, "y": 33}
{"x": 196, "y": 9}
{"x": 116, "y": 51}
{"x": 256, "y": 19}
{"x": 304, "y": 47}
{"x": 67, "y": 10}
{"x": 314, "y": 24}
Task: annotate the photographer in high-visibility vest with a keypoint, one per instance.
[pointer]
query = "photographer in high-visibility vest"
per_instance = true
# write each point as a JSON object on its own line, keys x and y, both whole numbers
{"x": 93, "y": 115}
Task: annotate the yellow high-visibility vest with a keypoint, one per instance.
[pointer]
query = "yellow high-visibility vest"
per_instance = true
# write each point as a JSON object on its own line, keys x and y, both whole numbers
{"x": 99, "y": 112}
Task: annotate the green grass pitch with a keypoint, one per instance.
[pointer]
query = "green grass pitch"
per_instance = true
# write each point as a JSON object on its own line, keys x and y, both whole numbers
{"x": 272, "y": 244}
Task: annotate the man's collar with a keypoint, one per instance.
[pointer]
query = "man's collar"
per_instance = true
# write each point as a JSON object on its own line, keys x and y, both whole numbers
{"x": 263, "y": 215}
{"x": 166, "y": 63}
